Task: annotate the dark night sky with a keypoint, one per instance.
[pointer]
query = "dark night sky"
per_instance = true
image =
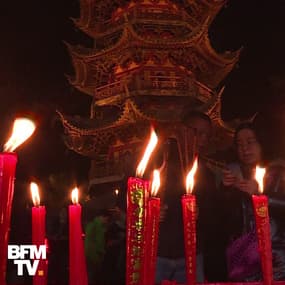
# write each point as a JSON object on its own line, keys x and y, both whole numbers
{"x": 34, "y": 61}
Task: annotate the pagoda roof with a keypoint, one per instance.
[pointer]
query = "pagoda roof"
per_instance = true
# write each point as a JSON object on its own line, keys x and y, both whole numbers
{"x": 98, "y": 16}
{"x": 135, "y": 111}
{"x": 89, "y": 136}
{"x": 193, "y": 51}
{"x": 130, "y": 38}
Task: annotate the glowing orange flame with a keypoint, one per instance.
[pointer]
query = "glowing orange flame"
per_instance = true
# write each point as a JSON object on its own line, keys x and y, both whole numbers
{"x": 117, "y": 192}
{"x": 35, "y": 193}
{"x": 22, "y": 130}
{"x": 190, "y": 177}
{"x": 259, "y": 175}
{"x": 74, "y": 195}
{"x": 155, "y": 184}
{"x": 149, "y": 150}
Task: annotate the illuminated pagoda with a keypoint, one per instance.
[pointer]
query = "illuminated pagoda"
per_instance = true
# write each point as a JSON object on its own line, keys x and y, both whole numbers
{"x": 151, "y": 60}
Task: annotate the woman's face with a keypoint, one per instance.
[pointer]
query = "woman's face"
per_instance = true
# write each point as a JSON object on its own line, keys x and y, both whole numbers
{"x": 248, "y": 148}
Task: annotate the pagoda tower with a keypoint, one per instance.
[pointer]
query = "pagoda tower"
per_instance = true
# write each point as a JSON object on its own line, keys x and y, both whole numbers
{"x": 151, "y": 61}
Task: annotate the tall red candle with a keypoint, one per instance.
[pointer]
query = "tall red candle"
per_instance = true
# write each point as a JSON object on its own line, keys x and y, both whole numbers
{"x": 8, "y": 163}
{"x": 137, "y": 194}
{"x": 22, "y": 130}
{"x": 152, "y": 227}
{"x": 189, "y": 224}
{"x": 39, "y": 235}
{"x": 77, "y": 262}
{"x": 260, "y": 206}
{"x": 136, "y": 221}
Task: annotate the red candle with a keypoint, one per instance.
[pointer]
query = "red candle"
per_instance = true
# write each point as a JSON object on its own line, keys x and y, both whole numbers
{"x": 8, "y": 163}
{"x": 77, "y": 262}
{"x": 189, "y": 223}
{"x": 136, "y": 215}
{"x": 152, "y": 227}
{"x": 22, "y": 130}
{"x": 137, "y": 194}
{"x": 260, "y": 205}
{"x": 39, "y": 234}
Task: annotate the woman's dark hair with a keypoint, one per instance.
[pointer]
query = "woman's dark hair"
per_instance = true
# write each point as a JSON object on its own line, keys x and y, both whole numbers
{"x": 248, "y": 126}
{"x": 260, "y": 135}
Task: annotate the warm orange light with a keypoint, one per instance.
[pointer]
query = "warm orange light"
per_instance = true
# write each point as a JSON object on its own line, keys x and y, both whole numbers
{"x": 259, "y": 175}
{"x": 155, "y": 184}
{"x": 74, "y": 195}
{"x": 149, "y": 150}
{"x": 190, "y": 177}
{"x": 35, "y": 193}
{"x": 22, "y": 130}
{"x": 117, "y": 192}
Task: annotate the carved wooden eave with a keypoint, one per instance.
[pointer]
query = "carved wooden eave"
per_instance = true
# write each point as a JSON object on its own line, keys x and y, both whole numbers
{"x": 77, "y": 126}
{"x": 91, "y": 137}
{"x": 130, "y": 38}
{"x": 96, "y": 15}
{"x": 211, "y": 71}
{"x": 213, "y": 110}
{"x": 221, "y": 63}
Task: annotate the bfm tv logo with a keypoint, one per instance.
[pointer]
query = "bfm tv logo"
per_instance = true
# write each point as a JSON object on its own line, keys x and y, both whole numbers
{"x": 18, "y": 253}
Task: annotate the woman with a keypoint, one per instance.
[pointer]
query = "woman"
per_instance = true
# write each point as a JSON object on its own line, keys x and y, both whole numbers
{"x": 239, "y": 184}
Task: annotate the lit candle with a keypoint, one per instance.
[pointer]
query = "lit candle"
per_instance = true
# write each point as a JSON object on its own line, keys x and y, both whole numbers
{"x": 22, "y": 129}
{"x": 260, "y": 205}
{"x": 136, "y": 217}
{"x": 189, "y": 223}
{"x": 39, "y": 234}
{"x": 152, "y": 226}
{"x": 77, "y": 262}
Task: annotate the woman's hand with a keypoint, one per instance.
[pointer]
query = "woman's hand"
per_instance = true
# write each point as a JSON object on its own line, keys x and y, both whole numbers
{"x": 229, "y": 179}
{"x": 248, "y": 186}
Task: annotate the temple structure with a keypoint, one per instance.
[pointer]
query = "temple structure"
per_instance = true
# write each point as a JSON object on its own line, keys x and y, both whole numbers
{"x": 151, "y": 62}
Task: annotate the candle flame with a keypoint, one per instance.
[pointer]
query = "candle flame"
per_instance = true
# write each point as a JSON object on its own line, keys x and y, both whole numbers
{"x": 35, "y": 193}
{"x": 259, "y": 175}
{"x": 117, "y": 192}
{"x": 149, "y": 149}
{"x": 190, "y": 177}
{"x": 155, "y": 184}
{"x": 22, "y": 129}
{"x": 74, "y": 195}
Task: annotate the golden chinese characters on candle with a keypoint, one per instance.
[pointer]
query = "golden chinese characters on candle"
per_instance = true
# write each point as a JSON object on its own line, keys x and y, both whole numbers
{"x": 35, "y": 194}
{"x": 22, "y": 129}
{"x": 137, "y": 195}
